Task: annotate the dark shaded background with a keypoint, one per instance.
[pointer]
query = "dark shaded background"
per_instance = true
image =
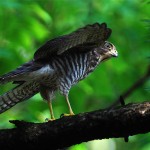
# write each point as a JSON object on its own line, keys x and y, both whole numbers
{"x": 27, "y": 24}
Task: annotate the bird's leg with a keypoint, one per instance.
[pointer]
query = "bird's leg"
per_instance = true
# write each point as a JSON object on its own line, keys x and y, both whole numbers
{"x": 69, "y": 106}
{"x": 51, "y": 110}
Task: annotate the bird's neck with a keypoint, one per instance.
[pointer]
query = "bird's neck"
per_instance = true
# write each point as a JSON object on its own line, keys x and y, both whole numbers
{"x": 104, "y": 58}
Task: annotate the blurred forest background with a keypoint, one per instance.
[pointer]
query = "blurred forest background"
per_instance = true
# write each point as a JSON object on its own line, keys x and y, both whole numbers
{"x": 27, "y": 24}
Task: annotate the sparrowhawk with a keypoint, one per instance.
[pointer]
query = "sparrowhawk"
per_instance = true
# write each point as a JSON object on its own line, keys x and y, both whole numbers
{"x": 58, "y": 65}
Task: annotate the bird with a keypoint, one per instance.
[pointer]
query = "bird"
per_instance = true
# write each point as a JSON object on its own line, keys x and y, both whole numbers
{"x": 59, "y": 64}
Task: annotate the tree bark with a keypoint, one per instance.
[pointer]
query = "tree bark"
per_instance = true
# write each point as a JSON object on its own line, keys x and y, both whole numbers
{"x": 122, "y": 121}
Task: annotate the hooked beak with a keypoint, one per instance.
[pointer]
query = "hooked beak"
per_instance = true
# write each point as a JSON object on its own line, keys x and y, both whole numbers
{"x": 114, "y": 53}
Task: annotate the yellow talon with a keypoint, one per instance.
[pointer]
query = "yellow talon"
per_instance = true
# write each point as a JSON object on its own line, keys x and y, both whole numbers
{"x": 51, "y": 120}
{"x": 48, "y": 120}
{"x": 68, "y": 114}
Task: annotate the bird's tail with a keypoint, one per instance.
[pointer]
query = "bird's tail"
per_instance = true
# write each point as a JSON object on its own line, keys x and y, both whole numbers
{"x": 18, "y": 94}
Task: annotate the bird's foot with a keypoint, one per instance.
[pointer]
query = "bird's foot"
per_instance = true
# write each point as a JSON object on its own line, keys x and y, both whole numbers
{"x": 51, "y": 119}
{"x": 66, "y": 115}
{"x": 48, "y": 120}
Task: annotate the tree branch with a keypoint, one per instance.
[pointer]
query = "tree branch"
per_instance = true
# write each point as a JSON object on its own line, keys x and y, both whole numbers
{"x": 133, "y": 87}
{"x": 116, "y": 122}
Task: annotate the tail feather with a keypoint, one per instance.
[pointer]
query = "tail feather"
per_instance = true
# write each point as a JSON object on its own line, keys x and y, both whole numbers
{"x": 20, "y": 93}
{"x": 13, "y": 75}
{"x": 19, "y": 74}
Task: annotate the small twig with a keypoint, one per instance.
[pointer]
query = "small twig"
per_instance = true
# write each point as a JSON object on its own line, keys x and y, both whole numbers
{"x": 121, "y": 99}
{"x": 133, "y": 87}
{"x": 126, "y": 138}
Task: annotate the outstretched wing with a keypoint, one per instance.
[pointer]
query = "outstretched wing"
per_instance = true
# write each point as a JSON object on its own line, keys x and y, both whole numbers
{"x": 88, "y": 36}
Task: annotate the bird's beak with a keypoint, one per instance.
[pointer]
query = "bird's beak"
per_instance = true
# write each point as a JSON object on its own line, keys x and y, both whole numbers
{"x": 114, "y": 53}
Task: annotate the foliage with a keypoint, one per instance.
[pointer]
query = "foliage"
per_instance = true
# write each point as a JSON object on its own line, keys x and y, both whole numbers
{"x": 25, "y": 25}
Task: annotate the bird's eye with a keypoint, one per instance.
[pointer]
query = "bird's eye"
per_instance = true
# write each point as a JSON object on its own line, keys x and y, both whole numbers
{"x": 108, "y": 46}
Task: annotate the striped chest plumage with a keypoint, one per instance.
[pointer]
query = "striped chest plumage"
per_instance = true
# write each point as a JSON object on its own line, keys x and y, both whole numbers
{"x": 71, "y": 68}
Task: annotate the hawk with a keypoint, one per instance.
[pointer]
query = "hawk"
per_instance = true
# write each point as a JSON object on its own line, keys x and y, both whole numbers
{"x": 58, "y": 65}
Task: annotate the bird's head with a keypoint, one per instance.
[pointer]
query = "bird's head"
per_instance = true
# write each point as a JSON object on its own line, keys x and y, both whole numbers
{"x": 107, "y": 50}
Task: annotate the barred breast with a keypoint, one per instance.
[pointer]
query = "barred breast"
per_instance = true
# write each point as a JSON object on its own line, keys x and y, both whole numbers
{"x": 73, "y": 68}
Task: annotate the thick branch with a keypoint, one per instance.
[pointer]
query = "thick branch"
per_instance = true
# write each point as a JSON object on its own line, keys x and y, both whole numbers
{"x": 117, "y": 122}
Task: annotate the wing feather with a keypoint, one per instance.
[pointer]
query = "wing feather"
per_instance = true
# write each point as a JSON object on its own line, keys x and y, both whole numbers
{"x": 88, "y": 36}
{"x": 15, "y": 74}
